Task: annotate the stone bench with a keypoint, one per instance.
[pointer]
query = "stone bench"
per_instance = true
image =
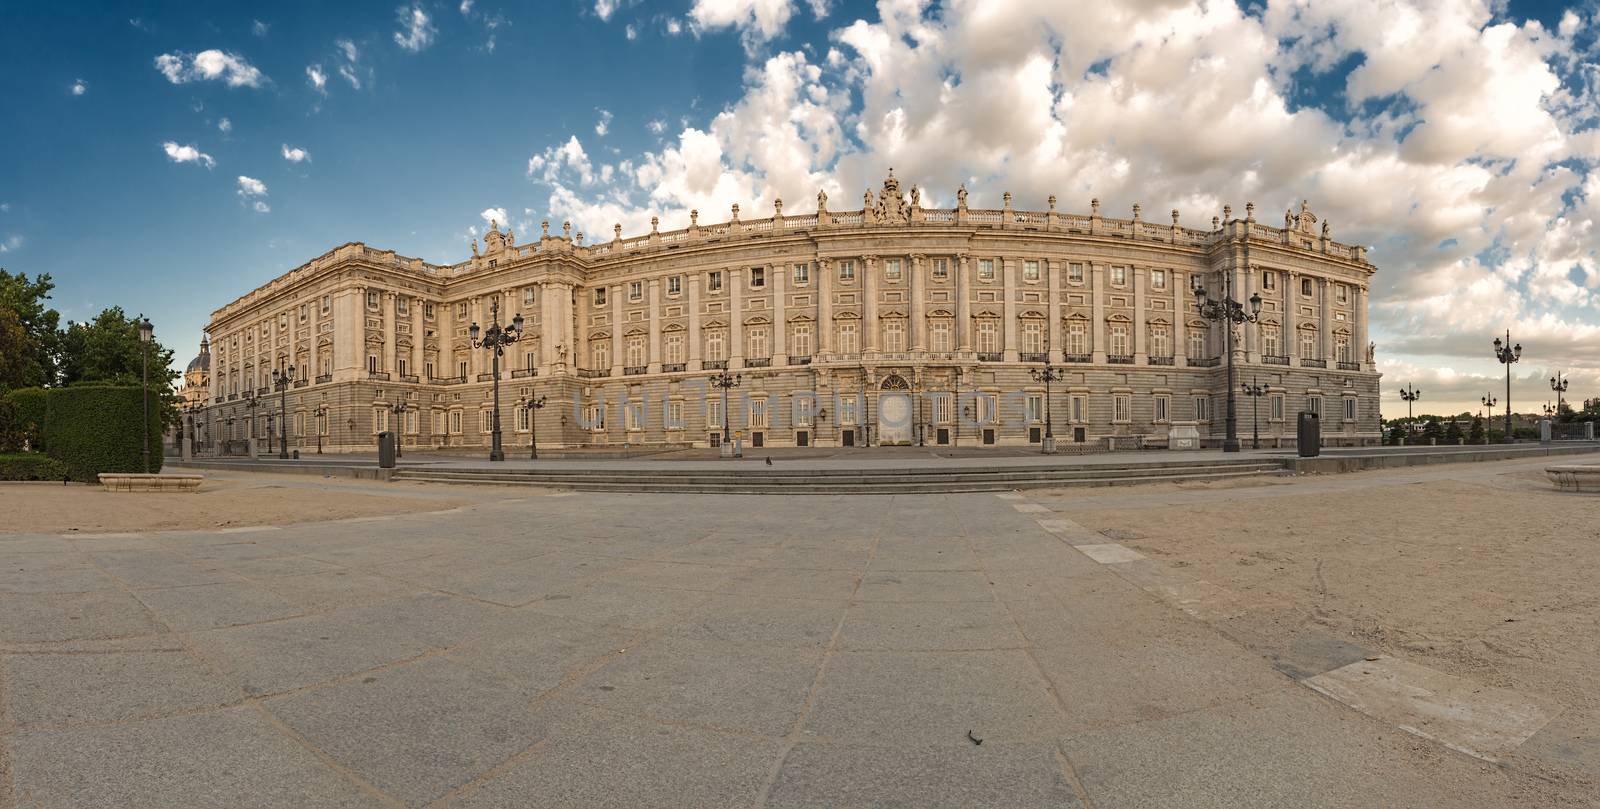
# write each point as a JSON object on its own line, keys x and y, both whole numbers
{"x": 1575, "y": 478}
{"x": 139, "y": 482}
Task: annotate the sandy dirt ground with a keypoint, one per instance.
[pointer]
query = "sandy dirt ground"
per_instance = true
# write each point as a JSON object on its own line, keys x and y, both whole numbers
{"x": 1489, "y": 575}
{"x": 224, "y": 500}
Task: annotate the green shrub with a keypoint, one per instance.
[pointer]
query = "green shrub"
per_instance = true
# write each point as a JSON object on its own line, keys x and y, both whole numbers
{"x": 31, "y": 407}
{"x": 96, "y": 428}
{"x": 32, "y": 466}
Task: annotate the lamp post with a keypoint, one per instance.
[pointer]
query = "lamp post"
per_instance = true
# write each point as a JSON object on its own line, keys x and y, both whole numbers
{"x": 321, "y": 413}
{"x": 252, "y": 401}
{"x": 1507, "y": 354}
{"x": 495, "y": 339}
{"x": 533, "y": 406}
{"x": 726, "y": 381}
{"x": 1410, "y": 394}
{"x": 399, "y": 409}
{"x": 1255, "y": 392}
{"x": 1047, "y": 374}
{"x": 1558, "y": 383}
{"x": 280, "y": 380}
{"x": 1488, "y": 402}
{"x": 1229, "y": 312}
{"x": 146, "y": 335}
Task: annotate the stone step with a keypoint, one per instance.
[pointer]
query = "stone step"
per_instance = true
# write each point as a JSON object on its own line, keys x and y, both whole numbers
{"x": 907, "y": 485}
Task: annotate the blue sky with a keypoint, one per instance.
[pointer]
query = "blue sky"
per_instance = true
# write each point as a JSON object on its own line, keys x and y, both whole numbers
{"x": 473, "y": 107}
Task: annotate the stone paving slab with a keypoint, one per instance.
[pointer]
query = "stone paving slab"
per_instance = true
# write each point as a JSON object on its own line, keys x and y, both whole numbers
{"x": 996, "y": 773}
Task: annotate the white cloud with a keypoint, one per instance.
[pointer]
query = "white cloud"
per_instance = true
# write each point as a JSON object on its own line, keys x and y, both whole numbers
{"x": 418, "y": 28}
{"x": 603, "y": 126}
{"x": 317, "y": 79}
{"x": 225, "y": 126}
{"x": 657, "y": 126}
{"x": 630, "y": 32}
{"x": 251, "y": 187}
{"x": 5, "y": 207}
{"x": 211, "y": 65}
{"x": 348, "y": 48}
{"x": 79, "y": 87}
{"x": 757, "y": 21}
{"x": 187, "y": 153}
{"x": 294, "y": 154}
{"x": 604, "y": 9}
{"x": 259, "y": 28}
{"x": 466, "y": 6}
{"x": 495, "y": 216}
{"x": 674, "y": 26}
{"x": 350, "y": 70}
{"x": 260, "y": 207}
{"x": 11, "y": 243}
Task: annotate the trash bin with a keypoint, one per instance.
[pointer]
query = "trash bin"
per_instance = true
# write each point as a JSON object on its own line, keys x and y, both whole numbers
{"x": 1308, "y": 437}
{"x": 386, "y": 450}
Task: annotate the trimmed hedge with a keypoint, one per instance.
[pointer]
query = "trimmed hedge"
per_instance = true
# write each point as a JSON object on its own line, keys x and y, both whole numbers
{"x": 32, "y": 466}
{"x": 30, "y": 410}
{"x": 96, "y": 428}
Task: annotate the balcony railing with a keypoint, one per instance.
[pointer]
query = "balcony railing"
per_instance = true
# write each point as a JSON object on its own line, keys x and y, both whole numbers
{"x": 323, "y": 379}
{"x": 593, "y": 373}
{"x": 524, "y": 373}
{"x": 1077, "y": 357}
{"x": 757, "y": 362}
{"x": 263, "y": 391}
{"x": 1033, "y": 356}
{"x": 489, "y": 377}
{"x": 800, "y": 360}
{"x": 990, "y": 356}
{"x": 715, "y": 365}
{"x": 1305, "y": 363}
{"x": 410, "y": 378}
{"x": 448, "y": 380}
{"x": 301, "y": 382}
{"x": 1346, "y": 365}
{"x": 673, "y": 367}
{"x": 382, "y": 376}
{"x": 635, "y": 370}
{"x": 1120, "y": 359}
{"x": 1161, "y": 361}
{"x": 1272, "y": 359}
{"x": 1204, "y": 362}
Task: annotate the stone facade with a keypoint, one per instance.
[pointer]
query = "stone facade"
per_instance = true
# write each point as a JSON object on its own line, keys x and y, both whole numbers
{"x": 891, "y": 323}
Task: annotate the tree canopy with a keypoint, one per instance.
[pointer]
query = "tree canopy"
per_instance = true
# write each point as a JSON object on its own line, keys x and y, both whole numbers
{"x": 28, "y": 331}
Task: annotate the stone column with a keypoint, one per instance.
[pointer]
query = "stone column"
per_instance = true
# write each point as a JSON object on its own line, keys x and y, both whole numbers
{"x": 1053, "y": 311}
{"x": 1180, "y": 319}
{"x": 1097, "y": 329}
{"x": 1358, "y": 352}
{"x": 617, "y": 317}
{"x": 919, "y": 294}
{"x": 349, "y": 333}
{"x": 825, "y": 271}
{"x": 869, "y": 308}
{"x": 735, "y": 318}
{"x": 1140, "y": 342}
{"x": 419, "y": 333}
{"x": 694, "y": 322}
{"x": 779, "y": 279}
{"x": 444, "y": 317}
{"x": 475, "y": 314}
{"x": 1011, "y": 267}
{"x": 1252, "y": 331}
{"x": 653, "y": 300}
{"x": 1289, "y": 337}
{"x": 1325, "y": 333}
{"x": 963, "y": 279}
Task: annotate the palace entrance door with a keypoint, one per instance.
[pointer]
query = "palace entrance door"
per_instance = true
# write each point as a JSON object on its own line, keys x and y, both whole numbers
{"x": 894, "y": 412}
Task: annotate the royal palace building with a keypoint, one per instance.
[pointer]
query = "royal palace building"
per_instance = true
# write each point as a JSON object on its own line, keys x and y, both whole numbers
{"x": 889, "y": 324}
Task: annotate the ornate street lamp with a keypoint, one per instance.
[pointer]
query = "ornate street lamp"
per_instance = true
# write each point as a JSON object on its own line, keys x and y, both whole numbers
{"x": 321, "y": 414}
{"x": 1047, "y": 374}
{"x": 1558, "y": 383}
{"x": 281, "y": 380}
{"x": 1229, "y": 312}
{"x": 147, "y": 334}
{"x": 1255, "y": 392}
{"x": 252, "y": 401}
{"x": 1488, "y": 402}
{"x": 495, "y": 339}
{"x": 1507, "y": 354}
{"x": 533, "y": 406}
{"x": 726, "y": 381}
{"x": 1411, "y": 395}
{"x": 399, "y": 409}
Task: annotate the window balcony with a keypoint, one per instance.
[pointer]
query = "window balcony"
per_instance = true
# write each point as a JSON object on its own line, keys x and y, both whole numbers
{"x": 448, "y": 380}
{"x": 1204, "y": 362}
{"x": 1161, "y": 360}
{"x": 524, "y": 373}
{"x": 1273, "y": 359}
{"x": 410, "y": 378}
{"x": 990, "y": 356}
{"x": 806, "y": 360}
{"x": 1078, "y": 357}
{"x": 382, "y": 376}
{"x": 635, "y": 370}
{"x": 323, "y": 379}
{"x": 1346, "y": 365}
{"x": 673, "y": 367}
{"x": 301, "y": 382}
{"x": 715, "y": 365}
{"x": 1120, "y": 359}
{"x": 264, "y": 391}
{"x": 758, "y": 362}
{"x": 489, "y": 377}
{"x": 593, "y": 373}
{"x": 1034, "y": 356}
{"x": 1305, "y": 363}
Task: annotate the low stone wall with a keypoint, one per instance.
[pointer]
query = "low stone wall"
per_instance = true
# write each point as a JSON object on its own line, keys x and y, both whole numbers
{"x": 1575, "y": 478}
{"x": 138, "y": 482}
{"x": 1355, "y": 462}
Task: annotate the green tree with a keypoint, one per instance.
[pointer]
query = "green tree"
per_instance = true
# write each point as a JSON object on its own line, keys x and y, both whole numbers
{"x": 1397, "y": 432}
{"x": 1452, "y": 433}
{"x": 33, "y": 353}
{"x": 1475, "y": 434}
{"x": 1431, "y": 431}
{"x": 107, "y": 349}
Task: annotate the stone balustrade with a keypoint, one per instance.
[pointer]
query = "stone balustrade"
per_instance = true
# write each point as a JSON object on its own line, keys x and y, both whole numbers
{"x": 140, "y": 482}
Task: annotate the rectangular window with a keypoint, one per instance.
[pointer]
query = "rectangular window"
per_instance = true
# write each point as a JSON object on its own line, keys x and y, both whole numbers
{"x": 1305, "y": 287}
{"x": 1033, "y": 408}
{"x": 714, "y": 281}
{"x": 1269, "y": 280}
{"x": 800, "y": 340}
{"x": 847, "y": 270}
{"x": 327, "y": 303}
{"x": 410, "y": 420}
{"x": 1276, "y": 409}
{"x": 461, "y": 311}
{"x": 847, "y": 409}
{"x": 1202, "y": 408}
{"x": 522, "y": 419}
{"x": 600, "y": 354}
{"x": 1033, "y": 336}
{"x": 891, "y": 269}
{"x": 1120, "y": 344}
{"x": 428, "y": 368}
{"x": 1197, "y": 343}
{"x": 1030, "y": 270}
{"x": 1075, "y": 273}
{"x": 941, "y": 408}
{"x": 804, "y": 410}
{"x": 1158, "y": 279}
{"x": 527, "y": 296}
{"x": 756, "y": 343}
{"x": 894, "y": 336}
{"x": 988, "y": 335}
{"x": 600, "y": 296}
{"x": 716, "y": 345}
{"x": 1349, "y": 408}
{"x": 461, "y": 369}
{"x": 1163, "y": 406}
{"x": 403, "y": 366}
{"x": 1308, "y": 344}
{"x": 380, "y": 419}
{"x": 305, "y": 313}
{"x": 486, "y": 421}
{"x": 633, "y": 415}
{"x": 1341, "y": 292}
{"x": 1314, "y": 405}
{"x": 675, "y": 285}
{"x": 986, "y": 269}
{"x": 1121, "y": 408}
{"x": 402, "y": 305}
{"x": 674, "y": 414}
{"x": 1271, "y": 341}
{"x": 756, "y": 419}
{"x": 372, "y": 300}
{"x": 802, "y": 274}
{"x": 455, "y": 422}
{"x": 1119, "y": 276}
{"x": 847, "y": 339}
{"x": 1160, "y": 341}
{"x": 941, "y": 268}
{"x": 1077, "y": 337}
{"x": 674, "y": 348}
{"x": 758, "y": 277}
{"x": 372, "y": 363}
{"x": 939, "y": 334}
{"x": 714, "y": 413}
{"x": 636, "y": 291}
{"x": 427, "y": 311}
{"x": 636, "y": 349}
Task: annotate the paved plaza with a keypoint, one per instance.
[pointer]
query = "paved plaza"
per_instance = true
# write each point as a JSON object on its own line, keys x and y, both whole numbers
{"x": 526, "y": 647}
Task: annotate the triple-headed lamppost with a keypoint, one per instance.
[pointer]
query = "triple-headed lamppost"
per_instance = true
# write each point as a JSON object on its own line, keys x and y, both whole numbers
{"x": 399, "y": 409}
{"x": 1411, "y": 395}
{"x": 1488, "y": 402}
{"x": 147, "y": 333}
{"x": 1255, "y": 392}
{"x": 281, "y": 380}
{"x": 321, "y": 414}
{"x": 495, "y": 339}
{"x": 1047, "y": 375}
{"x": 1507, "y": 354}
{"x": 726, "y": 381}
{"x": 533, "y": 406}
{"x": 1229, "y": 312}
{"x": 1558, "y": 383}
